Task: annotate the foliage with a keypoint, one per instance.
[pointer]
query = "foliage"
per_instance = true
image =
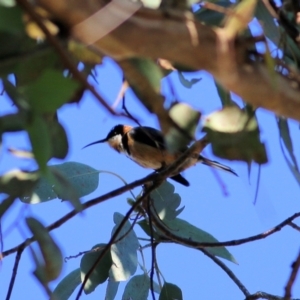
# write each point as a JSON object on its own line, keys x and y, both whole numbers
{"x": 43, "y": 67}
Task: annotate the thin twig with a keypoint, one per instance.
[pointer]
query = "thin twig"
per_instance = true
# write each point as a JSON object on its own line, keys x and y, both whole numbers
{"x": 295, "y": 226}
{"x": 14, "y": 272}
{"x": 263, "y": 295}
{"x": 153, "y": 247}
{"x": 292, "y": 278}
{"x": 227, "y": 271}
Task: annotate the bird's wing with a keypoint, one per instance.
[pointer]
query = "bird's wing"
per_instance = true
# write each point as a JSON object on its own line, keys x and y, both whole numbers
{"x": 149, "y": 136}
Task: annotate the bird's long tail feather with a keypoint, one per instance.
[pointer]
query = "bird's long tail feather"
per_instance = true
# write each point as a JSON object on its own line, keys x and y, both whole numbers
{"x": 215, "y": 164}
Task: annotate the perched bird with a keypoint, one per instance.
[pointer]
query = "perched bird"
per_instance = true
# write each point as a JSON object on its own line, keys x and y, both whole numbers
{"x": 146, "y": 146}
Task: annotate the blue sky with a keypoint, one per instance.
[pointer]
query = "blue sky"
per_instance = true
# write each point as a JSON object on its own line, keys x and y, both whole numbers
{"x": 263, "y": 265}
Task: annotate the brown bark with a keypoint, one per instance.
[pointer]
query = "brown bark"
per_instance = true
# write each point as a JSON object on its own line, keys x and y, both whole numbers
{"x": 156, "y": 34}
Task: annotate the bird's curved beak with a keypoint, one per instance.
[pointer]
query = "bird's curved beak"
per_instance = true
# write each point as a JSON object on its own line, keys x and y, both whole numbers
{"x": 97, "y": 142}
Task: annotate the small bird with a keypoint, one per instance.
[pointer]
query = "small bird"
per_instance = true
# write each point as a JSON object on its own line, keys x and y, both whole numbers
{"x": 146, "y": 146}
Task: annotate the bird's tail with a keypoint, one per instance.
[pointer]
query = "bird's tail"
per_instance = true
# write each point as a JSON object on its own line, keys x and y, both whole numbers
{"x": 215, "y": 164}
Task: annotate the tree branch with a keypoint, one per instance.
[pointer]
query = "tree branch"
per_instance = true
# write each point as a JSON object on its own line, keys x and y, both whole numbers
{"x": 154, "y": 34}
{"x": 292, "y": 278}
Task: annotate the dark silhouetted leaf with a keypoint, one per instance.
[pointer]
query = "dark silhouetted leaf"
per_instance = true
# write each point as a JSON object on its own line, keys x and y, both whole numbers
{"x": 166, "y": 201}
{"x": 100, "y": 272}
{"x": 137, "y": 288}
{"x": 59, "y": 140}
{"x": 51, "y": 253}
{"x": 66, "y": 287}
{"x": 11, "y": 19}
{"x": 224, "y": 95}
{"x": 18, "y": 183}
{"x": 170, "y": 292}
{"x": 124, "y": 252}
{"x": 145, "y": 226}
{"x": 187, "y": 83}
{"x": 5, "y": 205}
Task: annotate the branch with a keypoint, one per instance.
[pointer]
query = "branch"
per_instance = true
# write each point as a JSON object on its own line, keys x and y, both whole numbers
{"x": 292, "y": 278}
{"x": 227, "y": 271}
{"x": 140, "y": 32}
{"x": 187, "y": 242}
{"x": 14, "y": 273}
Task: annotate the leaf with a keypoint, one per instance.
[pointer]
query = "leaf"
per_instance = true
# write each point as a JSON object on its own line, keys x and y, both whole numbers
{"x": 166, "y": 202}
{"x": 49, "y": 92}
{"x": 83, "y": 178}
{"x": 100, "y": 272}
{"x": 186, "y": 230}
{"x": 224, "y": 95}
{"x": 212, "y": 17}
{"x": 59, "y": 140}
{"x": 52, "y": 256}
{"x": 13, "y": 122}
{"x": 82, "y": 53}
{"x": 145, "y": 227}
{"x": 11, "y": 19}
{"x": 124, "y": 252}
{"x": 237, "y": 22}
{"x": 170, "y": 292}
{"x": 18, "y": 183}
{"x": 234, "y": 135}
{"x": 187, "y": 119}
{"x": 187, "y": 83}
{"x": 40, "y": 141}
{"x": 111, "y": 289}
{"x": 286, "y": 138}
{"x": 137, "y": 288}
{"x": 8, "y": 3}
{"x": 66, "y": 287}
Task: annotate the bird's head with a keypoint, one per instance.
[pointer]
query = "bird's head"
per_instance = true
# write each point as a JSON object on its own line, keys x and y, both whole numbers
{"x": 114, "y": 137}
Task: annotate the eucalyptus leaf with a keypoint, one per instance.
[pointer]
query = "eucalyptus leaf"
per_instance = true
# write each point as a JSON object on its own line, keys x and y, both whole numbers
{"x": 186, "y": 82}
{"x": 111, "y": 289}
{"x": 100, "y": 272}
{"x": 124, "y": 251}
{"x": 166, "y": 202}
{"x": 83, "y": 178}
{"x": 66, "y": 287}
{"x": 186, "y": 230}
{"x": 137, "y": 288}
{"x": 52, "y": 256}
{"x": 170, "y": 292}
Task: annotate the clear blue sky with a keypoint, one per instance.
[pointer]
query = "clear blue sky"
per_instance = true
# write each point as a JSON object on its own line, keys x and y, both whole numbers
{"x": 263, "y": 265}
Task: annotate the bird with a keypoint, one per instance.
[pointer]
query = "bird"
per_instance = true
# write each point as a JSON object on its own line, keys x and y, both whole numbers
{"x": 146, "y": 146}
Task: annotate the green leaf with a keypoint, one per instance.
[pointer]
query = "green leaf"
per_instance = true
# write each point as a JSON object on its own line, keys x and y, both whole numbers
{"x": 52, "y": 256}
{"x": 187, "y": 83}
{"x": 124, "y": 252}
{"x": 13, "y": 122}
{"x": 212, "y": 17}
{"x": 186, "y": 230}
{"x": 83, "y": 178}
{"x": 66, "y": 287}
{"x": 145, "y": 227}
{"x": 284, "y": 131}
{"x": 111, "y": 289}
{"x": 50, "y": 91}
{"x": 11, "y": 19}
{"x": 8, "y": 3}
{"x": 18, "y": 183}
{"x": 187, "y": 119}
{"x": 224, "y": 95}
{"x": 59, "y": 140}
{"x": 234, "y": 135}
{"x": 137, "y": 288}
{"x": 170, "y": 292}
{"x": 100, "y": 272}
{"x": 150, "y": 70}
{"x": 166, "y": 202}
{"x": 40, "y": 141}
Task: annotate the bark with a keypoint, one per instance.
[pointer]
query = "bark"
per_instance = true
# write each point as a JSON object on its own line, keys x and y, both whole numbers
{"x": 174, "y": 36}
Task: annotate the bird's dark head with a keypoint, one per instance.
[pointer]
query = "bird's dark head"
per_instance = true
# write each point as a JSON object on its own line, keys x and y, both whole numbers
{"x": 114, "y": 136}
